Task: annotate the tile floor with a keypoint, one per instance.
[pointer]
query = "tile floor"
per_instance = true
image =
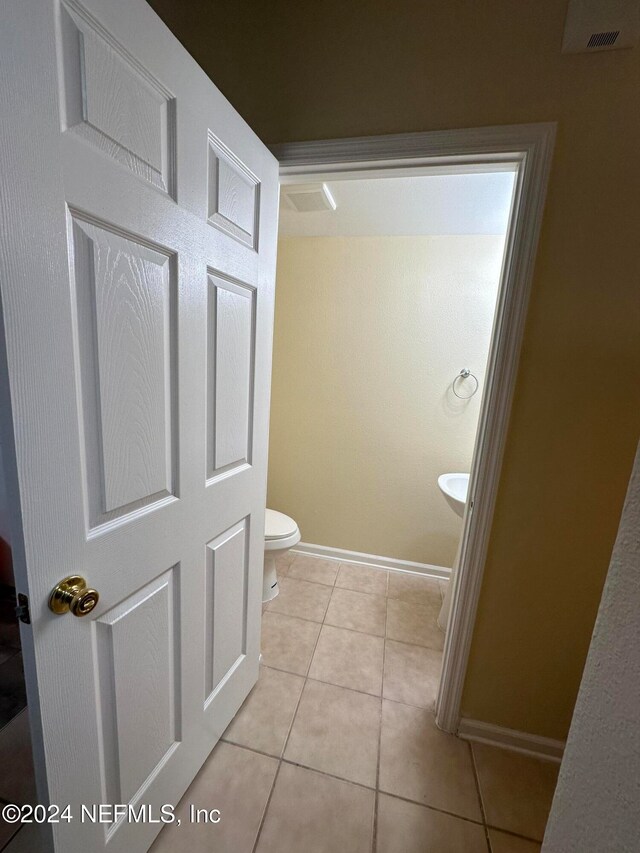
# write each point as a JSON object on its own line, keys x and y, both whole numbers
{"x": 336, "y": 747}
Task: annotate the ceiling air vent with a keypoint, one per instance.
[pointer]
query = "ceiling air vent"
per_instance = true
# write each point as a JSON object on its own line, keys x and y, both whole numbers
{"x": 594, "y": 25}
{"x": 603, "y": 39}
{"x": 307, "y": 197}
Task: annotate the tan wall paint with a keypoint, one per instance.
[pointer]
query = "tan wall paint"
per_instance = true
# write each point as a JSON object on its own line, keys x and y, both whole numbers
{"x": 309, "y": 70}
{"x": 369, "y": 333}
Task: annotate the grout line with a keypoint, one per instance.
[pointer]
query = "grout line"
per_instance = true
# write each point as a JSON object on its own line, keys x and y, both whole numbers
{"x": 353, "y": 630}
{"x": 430, "y": 709}
{"x": 253, "y": 749}
{"x": 476, "y": 779}
{"x": 514, "y": 834}
{"x": 329, "y": 775}
{"x": 333, "y": 684}
{"x": 286, "y": 741}
{"x": 374, "y": 837}
{"x": 432, "y": 808}
{"x": 266, "y": 806}
{"x": 403, "y": 798}
{"x": 249, "y": 748}
{"x": 362, "y": 591}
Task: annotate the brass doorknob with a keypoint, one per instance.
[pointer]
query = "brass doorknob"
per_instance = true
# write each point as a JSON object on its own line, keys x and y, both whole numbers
{"x": 73, "y": 594}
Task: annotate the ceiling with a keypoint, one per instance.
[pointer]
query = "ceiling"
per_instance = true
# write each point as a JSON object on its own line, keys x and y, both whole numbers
{"x": 476, "y": 203}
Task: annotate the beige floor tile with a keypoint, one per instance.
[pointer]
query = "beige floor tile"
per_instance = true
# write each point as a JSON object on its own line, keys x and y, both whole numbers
{"x": 413, "y": 623}
{"x": 288, "y": 642}
{"x": 235, "y": 781}
{"x": 263, "y": 721}
{"x": 349, "y": 659}
{"x": 314, "y": 569}
{"x": 358, "y": 611}
{"x": 503, "y": 843}
{"x": 411, "y": 674}
{"x": 516, "y": 790}
{"x": 362, "y": 578}
{"x": 336, "y": 731}
{"x": 301, "y": 598}
{"x": 413, "y": 588}
{"x": 283, "y": 561}
{"x": 421, "y": 763}
{"x": 443, "y": 587}
{"x": 407, "y": 828}
{"x": 311, "y": 813}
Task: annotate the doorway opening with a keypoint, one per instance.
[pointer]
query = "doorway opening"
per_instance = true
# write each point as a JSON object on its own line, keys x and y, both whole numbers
{"x": 519, "y": 157}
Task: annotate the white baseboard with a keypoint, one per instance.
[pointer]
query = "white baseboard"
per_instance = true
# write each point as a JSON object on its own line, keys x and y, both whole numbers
{"x": 394, "y": 565}
{"x": 534, "y": 745}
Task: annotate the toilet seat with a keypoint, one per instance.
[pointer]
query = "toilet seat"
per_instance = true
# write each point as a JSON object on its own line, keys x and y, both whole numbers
{"x": 277, "y": 525}
{"x": 280, "y": 531}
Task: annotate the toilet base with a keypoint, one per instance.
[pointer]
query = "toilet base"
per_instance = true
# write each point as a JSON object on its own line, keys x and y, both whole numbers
{"x": 270, "y": 586}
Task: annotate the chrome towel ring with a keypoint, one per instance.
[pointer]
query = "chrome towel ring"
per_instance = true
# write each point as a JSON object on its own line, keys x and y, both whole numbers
{"x": 465, "y": 373}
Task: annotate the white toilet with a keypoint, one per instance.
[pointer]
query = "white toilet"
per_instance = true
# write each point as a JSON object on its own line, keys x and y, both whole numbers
{"x": 280, "y": 534}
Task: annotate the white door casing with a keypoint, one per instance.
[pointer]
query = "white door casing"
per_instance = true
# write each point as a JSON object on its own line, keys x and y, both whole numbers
{"x": 529, "y": 147}
{"x": 137, "y": 264}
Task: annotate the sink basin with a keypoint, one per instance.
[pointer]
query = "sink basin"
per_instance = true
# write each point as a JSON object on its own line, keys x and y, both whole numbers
{"x": 455, "y": 487}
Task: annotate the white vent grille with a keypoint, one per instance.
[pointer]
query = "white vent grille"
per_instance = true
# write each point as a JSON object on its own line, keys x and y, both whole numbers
{"x": 306, "y": 198}
{"x": 603, "y": 39}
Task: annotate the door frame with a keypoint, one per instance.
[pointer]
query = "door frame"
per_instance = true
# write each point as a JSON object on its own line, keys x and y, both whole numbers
{"x": 529, "y": 148}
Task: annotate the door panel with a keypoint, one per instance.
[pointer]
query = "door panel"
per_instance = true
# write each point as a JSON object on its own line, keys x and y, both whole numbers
{"x": 125, "y": 298}
{"x": 137, "y": 274}
{"x": 139, "y": 693}
{"x": 230, "y": 373}
{"x": 226, "y": 601}
{"x": 112, "y": 101}
{"x": 234, "y": 193}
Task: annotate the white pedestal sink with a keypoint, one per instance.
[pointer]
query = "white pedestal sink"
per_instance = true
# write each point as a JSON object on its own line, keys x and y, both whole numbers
{"x": 455, "y": 488}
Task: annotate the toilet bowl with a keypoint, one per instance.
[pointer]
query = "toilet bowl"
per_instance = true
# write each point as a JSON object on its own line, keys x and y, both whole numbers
{"x": 280, "y": 534}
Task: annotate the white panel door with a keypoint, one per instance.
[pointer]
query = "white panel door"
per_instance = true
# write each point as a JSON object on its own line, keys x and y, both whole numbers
{"x": 137, "y": 262}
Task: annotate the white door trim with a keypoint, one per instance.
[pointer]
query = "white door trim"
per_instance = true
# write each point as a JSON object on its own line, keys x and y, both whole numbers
{"x": 529, "y": 147}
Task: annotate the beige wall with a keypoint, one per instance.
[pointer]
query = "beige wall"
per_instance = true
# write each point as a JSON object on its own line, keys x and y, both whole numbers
{"x": 369, "y": 333}
{"x": 309, "y": 70}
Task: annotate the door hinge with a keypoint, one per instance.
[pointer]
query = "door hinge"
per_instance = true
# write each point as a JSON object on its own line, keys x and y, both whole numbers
{"x": 22, "y": 609}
